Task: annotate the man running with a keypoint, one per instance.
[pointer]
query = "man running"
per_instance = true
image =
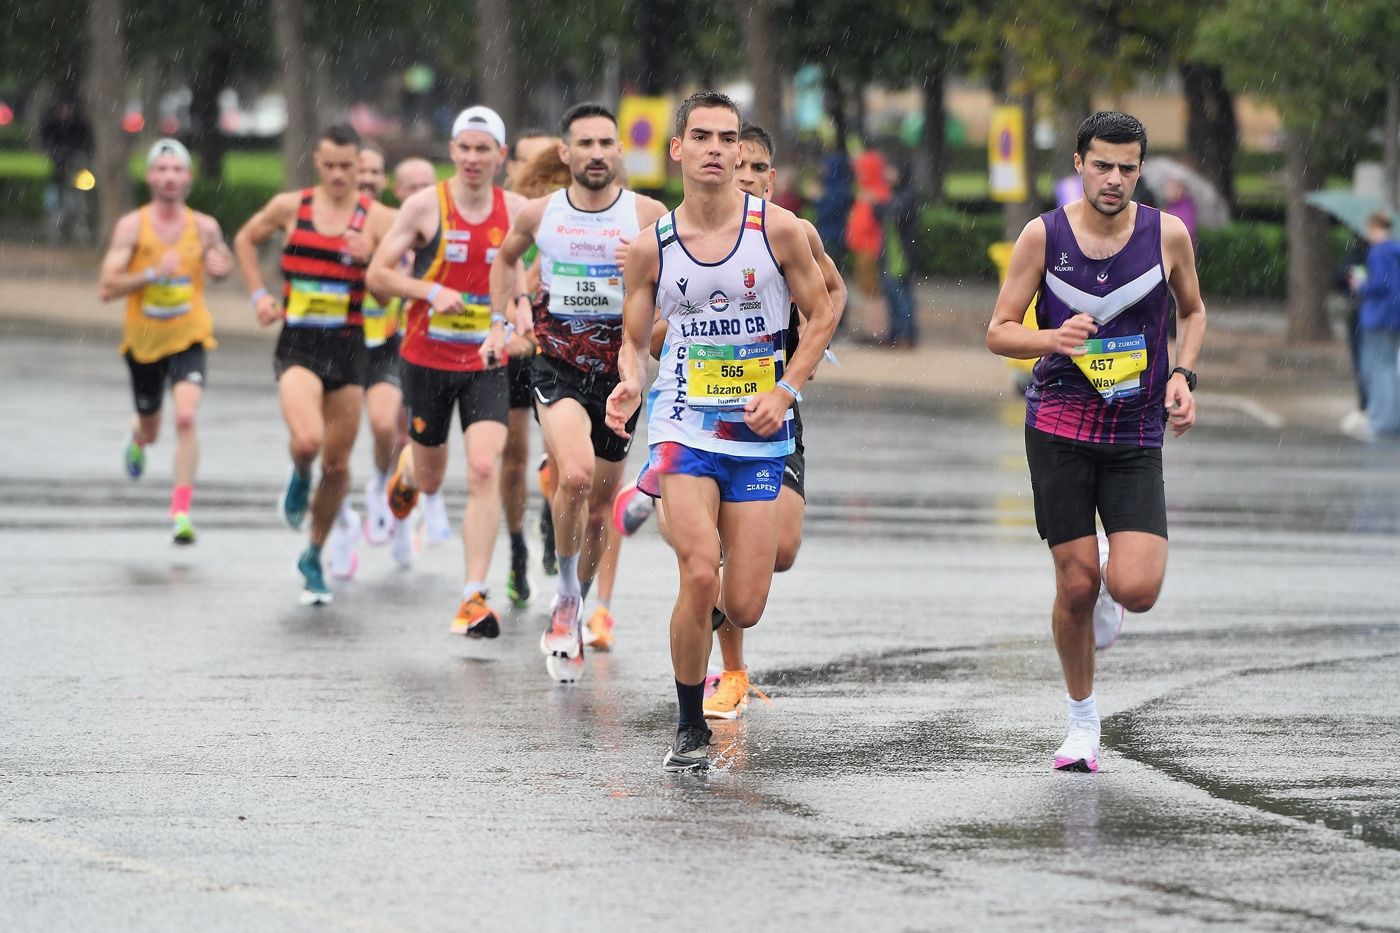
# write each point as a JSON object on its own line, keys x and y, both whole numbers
{"x": 723, "y": 270}
{"x": 321, "y": 358}
{"x": 1100, "y": 397}
{"x": 451, "y": 360}
{"x": 578, "y": 322}
{"x": 521, "y": 350}
{"x": 158, "y": 259}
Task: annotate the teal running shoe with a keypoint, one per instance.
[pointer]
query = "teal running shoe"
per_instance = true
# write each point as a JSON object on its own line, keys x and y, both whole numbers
{"x": 134, "y": 458}
{"x": 316, "y": 592}
{"x": 295, "y": 499}
{"x": 183, "y": 530}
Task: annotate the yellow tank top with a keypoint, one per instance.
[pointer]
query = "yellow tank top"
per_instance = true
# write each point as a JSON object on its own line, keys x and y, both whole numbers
{"x": 169, "y": 314}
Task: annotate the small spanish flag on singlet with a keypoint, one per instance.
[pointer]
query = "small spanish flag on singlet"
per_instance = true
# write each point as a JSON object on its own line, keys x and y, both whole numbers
{"x": 753, "y": 219}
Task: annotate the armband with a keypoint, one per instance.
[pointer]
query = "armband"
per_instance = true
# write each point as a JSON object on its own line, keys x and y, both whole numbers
{"x": 787, "y": 387}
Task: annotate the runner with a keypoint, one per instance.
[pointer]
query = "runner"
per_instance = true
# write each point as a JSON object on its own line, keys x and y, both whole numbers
{"x": 582, "y": 233}
{"x": 1101, "y": 397}
{"x": 454, "y": 348}
{"x": 321, "y": 358}
{"x": 756, "y": 175}
{"x": 158, "y": 259}
{"x": 520, "y": 178}
{"x": 723, "y": 270}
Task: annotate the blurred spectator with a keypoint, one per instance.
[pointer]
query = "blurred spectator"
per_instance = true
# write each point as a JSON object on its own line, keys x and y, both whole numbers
{"x": 1176, "y": 200}
{"x": 1348, "y": 274}
{"x": 1379, "y": 290}
{"x": 899, "y": 225}
{"x": 865, "y": 239}
{"x": 66, "y": 137}
{"x": 833, "y": 203}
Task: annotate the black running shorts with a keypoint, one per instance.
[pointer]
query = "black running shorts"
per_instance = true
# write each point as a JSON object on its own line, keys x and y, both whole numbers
{"x": 1071, "y": 480}
{"x": 337, "y": 356}
{"x": 795, "y": 466}
{"x": 519, "y": 371}
{"x": 148, "y": 380}
{"x": 383, "y": 364}
{"x": 431, "y": 394}
{"x": 553, "y": 380}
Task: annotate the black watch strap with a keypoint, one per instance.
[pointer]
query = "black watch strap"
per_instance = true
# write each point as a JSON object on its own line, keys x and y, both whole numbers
{"x": 1190, "y": 377}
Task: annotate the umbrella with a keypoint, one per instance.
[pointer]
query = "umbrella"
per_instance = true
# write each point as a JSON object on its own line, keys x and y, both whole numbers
{"x": 1348, "y": 207}
{"x": 1211, "y": 208}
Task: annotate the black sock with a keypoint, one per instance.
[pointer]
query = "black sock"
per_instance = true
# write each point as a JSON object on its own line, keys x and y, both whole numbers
{"x": 517, "y": 542}
{"x": 583, "y": 587}
{"x": 692, "y": 704}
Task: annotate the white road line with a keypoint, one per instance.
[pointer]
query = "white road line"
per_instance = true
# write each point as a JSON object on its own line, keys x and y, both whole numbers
{"x": 1244, "y": 405}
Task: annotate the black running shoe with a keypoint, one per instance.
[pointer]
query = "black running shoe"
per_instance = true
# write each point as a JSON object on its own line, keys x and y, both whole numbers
{"x": 717, "y": 618}
{"x": 548, "y": 558}
{"x": 518, "y": 583}
{"x": 687, "y": 753}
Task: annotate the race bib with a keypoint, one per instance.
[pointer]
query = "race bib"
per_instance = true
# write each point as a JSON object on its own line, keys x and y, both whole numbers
{"x": 1114, "y": 365}
{"x": 723, "y": 378}
{"x": 168, "y": 298}
{"x": 379, "y": 320}
{"x": 317, "y": 303}
{"x": 470, "y": 325}
{"x": 582, "y": 290}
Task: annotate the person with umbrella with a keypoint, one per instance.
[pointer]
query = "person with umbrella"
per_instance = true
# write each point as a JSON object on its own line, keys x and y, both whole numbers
{"x": 1379, "y": 322}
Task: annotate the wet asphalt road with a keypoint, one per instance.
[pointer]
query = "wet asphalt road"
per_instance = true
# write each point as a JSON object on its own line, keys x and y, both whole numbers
{"x": 182, "y": 746}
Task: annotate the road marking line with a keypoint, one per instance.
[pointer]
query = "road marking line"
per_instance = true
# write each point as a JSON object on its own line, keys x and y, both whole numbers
{"x": 1244, "y": 405}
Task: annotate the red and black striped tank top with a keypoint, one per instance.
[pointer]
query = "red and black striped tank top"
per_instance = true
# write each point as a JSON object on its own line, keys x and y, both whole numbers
{"x": 324, "y": 287}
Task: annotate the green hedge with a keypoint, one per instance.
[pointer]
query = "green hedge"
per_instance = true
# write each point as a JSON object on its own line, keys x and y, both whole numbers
{"x": 953, "y": 244}
{"x": 1250, "y": 260}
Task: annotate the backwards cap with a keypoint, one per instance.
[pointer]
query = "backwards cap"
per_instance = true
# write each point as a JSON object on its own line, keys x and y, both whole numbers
{"x": 169, "y": 146}
{"x": 483, "y": 119}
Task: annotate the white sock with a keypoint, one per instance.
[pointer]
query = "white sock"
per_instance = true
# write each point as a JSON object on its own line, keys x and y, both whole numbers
{"x": 1085, "y": 710}
{"x": 568, "y": 577}
{"x": 473, "y": 587}
{"x": 432, "y": 499}
{"x": 381, "y": 480}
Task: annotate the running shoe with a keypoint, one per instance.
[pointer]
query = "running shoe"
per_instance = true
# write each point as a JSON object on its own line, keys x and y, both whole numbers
{"x": 315, "y": 593}
{"x": 563, "y": 639}
{"x": 134, "y": 457}
{"x": 548, "y": 559}
{"x": 475, "y": 619}
{"x": 731, "y": 696}
{"x": 518, "y": 582}
{"x": 631, "y": 509}
{"x": 379, "y": 521}
{"x": 1108, "y": 614}
{"x": 403, "y": 546}
{"x": 712, "y": 676}
{"x": 295, "y": 498}
{"x": 1080, "y": 751}
{"x": 687, "y": 753}
{"x": 437, "y": 528}
{"x": 402, "y": 496}
{"x": 182, "y": 531}
{"x": 598, "y": 634}
{"x": 342, "y": 557}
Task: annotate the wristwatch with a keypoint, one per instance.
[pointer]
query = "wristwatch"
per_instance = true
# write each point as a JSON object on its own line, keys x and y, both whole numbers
{"x": 1190, "y": 377}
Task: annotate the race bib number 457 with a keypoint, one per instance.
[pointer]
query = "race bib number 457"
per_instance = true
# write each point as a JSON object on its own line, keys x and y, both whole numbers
{"x": 1114, "y": 365}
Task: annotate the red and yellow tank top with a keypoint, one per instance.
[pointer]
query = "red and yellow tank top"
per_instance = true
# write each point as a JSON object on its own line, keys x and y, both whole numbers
{"x": 324, "y": 287}
{"x": 169, "y": 314}
{"x": 459, "y": 258}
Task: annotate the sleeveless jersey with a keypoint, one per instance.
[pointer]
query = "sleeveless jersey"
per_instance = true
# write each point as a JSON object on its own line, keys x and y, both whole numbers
{"x": 1116, "y": 392}
{"x": 726, "y": 338}
{"x": 578, "y": 311}
{"x": 459, "y": 257}
{"x": 325, "y": 287}
{"x": 168, "y": 315}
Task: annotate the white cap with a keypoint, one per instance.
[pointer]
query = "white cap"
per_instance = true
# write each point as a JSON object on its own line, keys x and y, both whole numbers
{"x": 483, "y": 119}
{"x": 169, "y": 146}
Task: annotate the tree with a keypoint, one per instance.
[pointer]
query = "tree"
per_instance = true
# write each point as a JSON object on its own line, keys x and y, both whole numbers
{"x": 289, "y": 36}
{"x": 106, "y": 85}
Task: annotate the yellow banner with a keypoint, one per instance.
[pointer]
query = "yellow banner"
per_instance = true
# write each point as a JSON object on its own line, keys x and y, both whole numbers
{"x": 646, "y": 135}
{"x": 1006, "y": 155}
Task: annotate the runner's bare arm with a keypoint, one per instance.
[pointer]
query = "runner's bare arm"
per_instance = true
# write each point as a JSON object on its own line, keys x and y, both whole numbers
{"x": 1190, "y": 320}
{"x": 524, "y": 318}
{"x": 504, "y": 270}
{"x": 412, "y": 226}
{"x": 658, "y": 336}
{"x": 638, "y": 312}
{"x": 276, "y": 215}
{"x": 114, "y": 280}
{"x": 1007, "y": 334}
{"x": 809, "y": 292}
{"x": 218, "y": 259}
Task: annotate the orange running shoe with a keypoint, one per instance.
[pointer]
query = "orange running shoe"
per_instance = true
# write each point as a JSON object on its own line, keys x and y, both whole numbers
{"x": 475, "y": 619}
{"x": 546, "y": 477}
{"x": 403, "y": 495}
{"x": 731, "y": 696}
{"x": 599, "y": 633}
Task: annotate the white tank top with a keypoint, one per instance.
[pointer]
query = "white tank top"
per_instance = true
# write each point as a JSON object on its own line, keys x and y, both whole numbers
{"x": 726, "y": 334}
{"x": 577, "y": 263}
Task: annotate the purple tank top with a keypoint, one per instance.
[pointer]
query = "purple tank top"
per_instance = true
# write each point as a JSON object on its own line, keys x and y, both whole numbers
{"x": 1127, "y": 295}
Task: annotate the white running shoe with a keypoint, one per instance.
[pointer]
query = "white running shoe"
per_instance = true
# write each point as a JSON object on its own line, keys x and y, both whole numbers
{"x": 1108, "y": 614}
{"x": 1080, "y": 751}
{"x": 436, "y": 526}
{"x": 403, "y": 547}
{"x": 564, "y": 637}
{"x": 342, "y": 557}
{"x": 379, "y": 521}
